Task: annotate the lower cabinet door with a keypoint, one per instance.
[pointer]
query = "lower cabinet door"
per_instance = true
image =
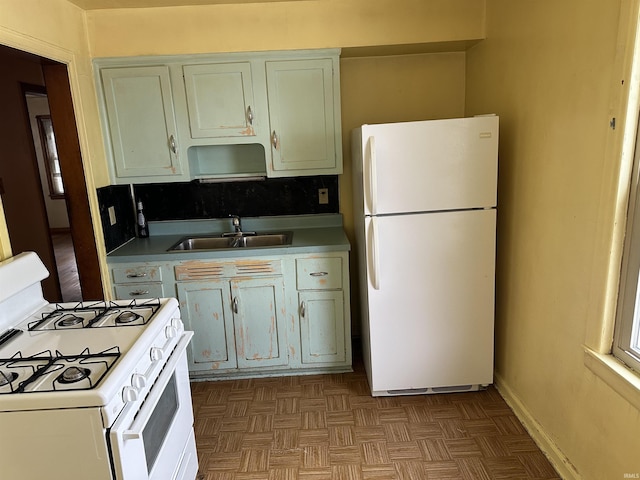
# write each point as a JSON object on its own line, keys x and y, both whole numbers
{"x": 206, "y": 309}
{"x": 322, "y": 328}
{"x": 258, "y": 307}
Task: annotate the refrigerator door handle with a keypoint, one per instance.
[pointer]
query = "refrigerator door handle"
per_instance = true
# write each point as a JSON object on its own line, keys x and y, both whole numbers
{"x": 371, "y": 175}
{"x": 372, "y": 253}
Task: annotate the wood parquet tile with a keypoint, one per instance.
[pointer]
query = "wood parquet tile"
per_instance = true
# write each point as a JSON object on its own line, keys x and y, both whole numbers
{"x": 322, "y": 427}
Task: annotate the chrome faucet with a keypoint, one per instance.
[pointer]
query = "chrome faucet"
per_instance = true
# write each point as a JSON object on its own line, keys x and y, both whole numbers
{"x": 237, "y": 225}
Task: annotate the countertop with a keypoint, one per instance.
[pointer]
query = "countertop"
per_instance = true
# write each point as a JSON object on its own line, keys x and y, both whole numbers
{"x": 311, "y": 234}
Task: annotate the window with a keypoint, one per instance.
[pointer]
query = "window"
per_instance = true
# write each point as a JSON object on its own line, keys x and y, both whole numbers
{"x": 626, "y": 343}
{"x": 50, "y": 152}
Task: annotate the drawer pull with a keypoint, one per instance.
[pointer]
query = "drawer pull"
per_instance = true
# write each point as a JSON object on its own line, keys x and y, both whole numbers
{"x": 137, "y": 293}
{"x": 319, "y": 274}
{"x": 136, "y": 275}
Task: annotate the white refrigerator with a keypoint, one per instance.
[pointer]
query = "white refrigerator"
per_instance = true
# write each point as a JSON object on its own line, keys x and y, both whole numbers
{"x": 425, "y": 220}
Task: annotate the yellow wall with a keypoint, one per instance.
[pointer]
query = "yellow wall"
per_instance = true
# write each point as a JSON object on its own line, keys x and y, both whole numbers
{"x": 282, "y": 26}
{"x": 550, "y": 70}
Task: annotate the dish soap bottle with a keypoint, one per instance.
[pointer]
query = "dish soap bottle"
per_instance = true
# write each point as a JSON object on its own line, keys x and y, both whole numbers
{"x": 143, "y": 227}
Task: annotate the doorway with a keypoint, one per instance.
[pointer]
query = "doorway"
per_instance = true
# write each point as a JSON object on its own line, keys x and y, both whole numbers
{"x": 20, "y": 184}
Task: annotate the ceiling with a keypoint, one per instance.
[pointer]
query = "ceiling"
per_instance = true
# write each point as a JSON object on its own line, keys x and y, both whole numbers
{"x": 105, "y": 4}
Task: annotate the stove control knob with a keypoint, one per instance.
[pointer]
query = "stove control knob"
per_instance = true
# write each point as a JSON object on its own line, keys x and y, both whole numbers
{"x": 177, "y": 324}
{"x": 170, "y": 331}
{"x": 156, "y": 354}
{"x": 129, "y": 394}
{"x": 138, "y": 381}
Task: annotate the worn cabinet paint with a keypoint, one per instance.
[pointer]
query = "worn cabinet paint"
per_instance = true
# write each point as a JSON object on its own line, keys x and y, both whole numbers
{"x": 206, "y": 309}
{"x": 137, "y": 281}
{"x": 322, "y": 331}
{"x": 253, "y": 316}
{"x": 324, "y": 321}
{"x": 220, "y": 100}
{"x": 275, "y": 113}
{"x": 141, "y": 123}
{"x": 302, "y": 116}
{"x": 258, "y": 305}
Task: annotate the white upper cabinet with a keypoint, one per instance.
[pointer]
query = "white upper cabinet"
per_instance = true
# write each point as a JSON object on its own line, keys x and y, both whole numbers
{"x": 142, "y": 134}
{"x": 220, "y": 100}
{"x": 302, "y": 117}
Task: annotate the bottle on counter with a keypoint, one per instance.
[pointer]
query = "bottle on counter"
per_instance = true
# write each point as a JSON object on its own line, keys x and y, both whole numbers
{"x": 143, "y": 227}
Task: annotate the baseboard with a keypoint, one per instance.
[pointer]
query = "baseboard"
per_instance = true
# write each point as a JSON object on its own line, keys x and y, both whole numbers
{"x": 559, "y": 461}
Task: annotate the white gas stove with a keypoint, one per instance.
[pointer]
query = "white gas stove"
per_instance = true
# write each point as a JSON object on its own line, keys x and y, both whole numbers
{"x": 100, "y": 388}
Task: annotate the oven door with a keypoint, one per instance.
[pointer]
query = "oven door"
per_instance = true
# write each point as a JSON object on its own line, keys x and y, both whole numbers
{"x": 155, "y": 440}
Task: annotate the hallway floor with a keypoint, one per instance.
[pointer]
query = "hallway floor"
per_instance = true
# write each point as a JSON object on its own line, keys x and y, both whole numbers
{"x": 329, "y": 427}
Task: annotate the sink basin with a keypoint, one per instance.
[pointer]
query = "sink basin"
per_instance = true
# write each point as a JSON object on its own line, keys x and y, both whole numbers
{"x": 253, "y": 240}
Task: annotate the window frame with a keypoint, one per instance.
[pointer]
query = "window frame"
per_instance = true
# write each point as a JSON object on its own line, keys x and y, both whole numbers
{"x": 626, "y": 338}
{"x": 51, "y": 160}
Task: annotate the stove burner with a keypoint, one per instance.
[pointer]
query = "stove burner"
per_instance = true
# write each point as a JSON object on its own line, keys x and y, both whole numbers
{"x": 69, "y": 321}
{"x": 7, "y": 377}
{"x": 127, "y": 317}
{"x": 74, "y": 374}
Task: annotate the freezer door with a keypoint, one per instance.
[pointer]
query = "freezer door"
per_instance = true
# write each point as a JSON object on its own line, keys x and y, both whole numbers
{"x": 430, "y": 286}
{"x": 430, "y": 165}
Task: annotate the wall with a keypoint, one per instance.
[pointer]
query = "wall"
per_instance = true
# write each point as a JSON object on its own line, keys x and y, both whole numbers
{"x": 282, "y": 25}
{"x": 551, "y": 72}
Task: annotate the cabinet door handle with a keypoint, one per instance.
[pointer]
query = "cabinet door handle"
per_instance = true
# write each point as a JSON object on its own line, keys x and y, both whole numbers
{"x": 274, "y": 140}
{"x": 137, "y": 293}
{"x": 136, "y": 275}
{"x": 302, "y": 309}
{"x": 234, "y": 304}
{"x": 319, "y": 274}
{"x": 249, "y": 115}
{"x": 172, "y": 145}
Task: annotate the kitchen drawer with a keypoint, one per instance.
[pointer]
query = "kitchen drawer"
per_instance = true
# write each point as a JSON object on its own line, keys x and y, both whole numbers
{"x": 323, "y": 273}
{"x": 137, "y": 274}
{"x": 139, "y": 290}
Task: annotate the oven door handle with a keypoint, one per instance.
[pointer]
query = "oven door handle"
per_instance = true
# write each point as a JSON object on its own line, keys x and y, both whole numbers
{"x": 135, "y": 431}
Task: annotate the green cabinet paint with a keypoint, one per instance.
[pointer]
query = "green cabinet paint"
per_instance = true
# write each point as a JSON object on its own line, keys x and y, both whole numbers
{"x": 258, "y": 306}
{"x": 179, "y": 118}
{"x": 137, "y": 281}
{"x": 324, "y": 326}
{"x": 302, "y": 117}
{"x": 205, "y": 307}
{"x": 142, "y": 136}
{"x": 220, "y": 100}
{"x": 254, "y": 316}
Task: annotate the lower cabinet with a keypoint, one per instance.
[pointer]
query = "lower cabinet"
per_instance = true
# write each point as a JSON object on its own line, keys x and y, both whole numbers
{"x": 322, "y": 283}
{"x": 131, "y": 281}
{"x": 236, "y": 310}
{"x": 254, "y": 316}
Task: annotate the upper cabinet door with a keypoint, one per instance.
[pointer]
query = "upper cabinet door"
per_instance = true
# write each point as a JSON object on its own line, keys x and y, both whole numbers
{"x": 141, "y": 121}
{"x": 302, "y": 97}
{"x": 220, "y": 100}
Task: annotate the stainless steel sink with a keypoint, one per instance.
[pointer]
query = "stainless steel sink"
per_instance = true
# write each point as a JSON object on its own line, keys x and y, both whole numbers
{"x": 252, "y": 240}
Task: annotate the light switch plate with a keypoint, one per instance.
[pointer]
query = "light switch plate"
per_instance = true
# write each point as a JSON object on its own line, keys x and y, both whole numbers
{"x": 112, "y": 215}
{"x": 323, "y": 196}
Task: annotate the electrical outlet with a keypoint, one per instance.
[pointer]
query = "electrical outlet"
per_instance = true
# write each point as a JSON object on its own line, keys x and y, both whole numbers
{"x": 112, "y": 215}
{"x": 323, "y": 196}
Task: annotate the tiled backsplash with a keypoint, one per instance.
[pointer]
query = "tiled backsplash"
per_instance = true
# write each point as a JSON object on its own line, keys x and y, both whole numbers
{"x": 195, "y": 200}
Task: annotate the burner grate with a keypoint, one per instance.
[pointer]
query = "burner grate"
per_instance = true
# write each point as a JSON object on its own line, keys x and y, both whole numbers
{"x": 39, "y": 371}
{"x": 93, "y": 314}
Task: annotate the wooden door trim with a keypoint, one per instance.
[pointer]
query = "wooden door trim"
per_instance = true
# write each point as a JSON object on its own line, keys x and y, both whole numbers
{"x": 73, "y": 175}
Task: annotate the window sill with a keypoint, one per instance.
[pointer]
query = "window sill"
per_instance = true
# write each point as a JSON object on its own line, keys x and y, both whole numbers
{"x": 619, "y": 377}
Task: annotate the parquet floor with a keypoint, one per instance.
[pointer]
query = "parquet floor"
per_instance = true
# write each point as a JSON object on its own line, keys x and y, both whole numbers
{"x": 67, "y": 267}
{"x": 329, "y": 427}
